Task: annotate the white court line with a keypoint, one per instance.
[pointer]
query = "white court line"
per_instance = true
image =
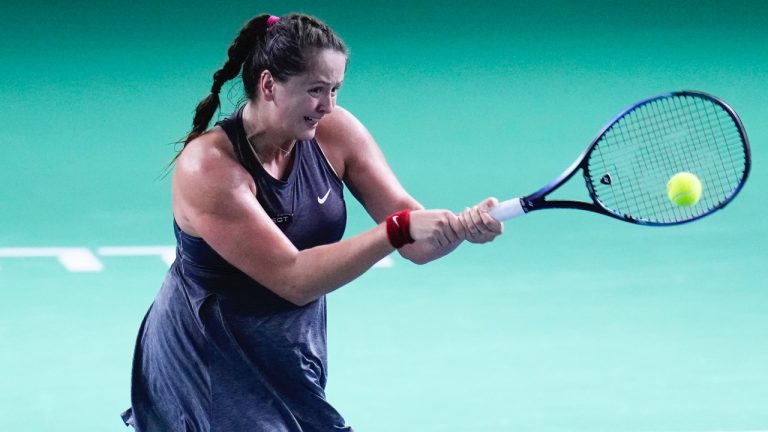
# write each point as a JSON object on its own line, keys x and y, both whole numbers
{"x": 81, "y": 259}
{"x": 166, "y": 253}
{"x": 385, "y": 262}
{"x": 74, "y": 259}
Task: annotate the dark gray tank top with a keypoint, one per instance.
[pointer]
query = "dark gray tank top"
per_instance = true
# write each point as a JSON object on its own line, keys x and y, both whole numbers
{"x": 217, "y": 350}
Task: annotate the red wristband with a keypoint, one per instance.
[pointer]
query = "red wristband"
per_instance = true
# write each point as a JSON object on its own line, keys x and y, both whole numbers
{"x": 399, "y": 228}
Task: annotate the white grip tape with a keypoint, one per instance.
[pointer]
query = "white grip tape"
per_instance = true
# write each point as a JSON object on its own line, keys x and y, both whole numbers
{"x": 507, "y": 210}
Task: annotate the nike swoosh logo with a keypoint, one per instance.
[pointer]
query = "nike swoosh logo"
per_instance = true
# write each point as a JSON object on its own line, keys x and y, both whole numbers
{"x": 322, "y": 200}
{"x": 394, "y": 219}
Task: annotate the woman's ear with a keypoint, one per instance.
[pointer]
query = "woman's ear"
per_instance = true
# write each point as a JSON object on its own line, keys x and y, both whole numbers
{"x": 267, "y": 85}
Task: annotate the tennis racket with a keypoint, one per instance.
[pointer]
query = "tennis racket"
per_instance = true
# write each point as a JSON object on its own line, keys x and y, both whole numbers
{"x": 626, "y": 168}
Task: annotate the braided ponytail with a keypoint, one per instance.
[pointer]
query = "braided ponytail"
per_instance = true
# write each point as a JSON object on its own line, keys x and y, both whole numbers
{"x": 253, "y": 33}
{"x": 283, "y": 46}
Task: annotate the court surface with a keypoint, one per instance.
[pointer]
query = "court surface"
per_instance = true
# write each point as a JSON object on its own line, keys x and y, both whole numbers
{"x": 569, "y": 322}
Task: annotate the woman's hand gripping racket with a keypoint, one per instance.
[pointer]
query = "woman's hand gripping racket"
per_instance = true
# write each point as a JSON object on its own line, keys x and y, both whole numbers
{"x": 628, "y": 166}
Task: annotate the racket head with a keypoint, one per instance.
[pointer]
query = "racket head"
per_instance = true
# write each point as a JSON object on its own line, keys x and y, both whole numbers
{"x": 628, "y": 165}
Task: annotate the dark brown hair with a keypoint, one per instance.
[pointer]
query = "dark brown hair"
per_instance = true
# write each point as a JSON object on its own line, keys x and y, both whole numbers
{"x": 284, "y": 48}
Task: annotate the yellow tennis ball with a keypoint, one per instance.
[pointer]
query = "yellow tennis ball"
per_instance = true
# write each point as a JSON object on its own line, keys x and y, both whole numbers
{"x": 684, "y": 189}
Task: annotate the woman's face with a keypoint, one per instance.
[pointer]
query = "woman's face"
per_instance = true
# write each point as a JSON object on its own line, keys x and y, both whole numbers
{"x": 303, "y": 100}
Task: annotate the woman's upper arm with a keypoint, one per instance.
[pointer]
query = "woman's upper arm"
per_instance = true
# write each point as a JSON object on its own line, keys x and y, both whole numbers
{"x": 214, "y": 196}
{"x": 366, "y": 171}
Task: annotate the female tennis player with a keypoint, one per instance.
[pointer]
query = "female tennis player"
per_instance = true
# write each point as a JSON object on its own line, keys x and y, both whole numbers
{"x": 236, "y": 338}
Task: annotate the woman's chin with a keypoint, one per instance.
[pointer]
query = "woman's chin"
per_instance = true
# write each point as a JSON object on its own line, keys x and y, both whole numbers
{"x": 306, "y": 134}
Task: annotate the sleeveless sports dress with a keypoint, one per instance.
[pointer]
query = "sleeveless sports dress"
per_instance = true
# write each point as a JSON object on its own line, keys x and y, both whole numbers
{"x": 217, "y": 351}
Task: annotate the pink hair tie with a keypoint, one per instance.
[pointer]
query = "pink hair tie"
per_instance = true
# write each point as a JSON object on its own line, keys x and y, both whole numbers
{"x": 272, "y": 20}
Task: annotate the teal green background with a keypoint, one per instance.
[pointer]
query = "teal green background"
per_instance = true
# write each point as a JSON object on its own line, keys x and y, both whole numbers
{"x": 569, "y": 322}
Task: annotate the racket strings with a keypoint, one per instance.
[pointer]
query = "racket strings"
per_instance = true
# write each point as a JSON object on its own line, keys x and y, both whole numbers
{"x": 683, "y": 152}
{"x": 655, "y": 140}
{"x": 687, "y": 158}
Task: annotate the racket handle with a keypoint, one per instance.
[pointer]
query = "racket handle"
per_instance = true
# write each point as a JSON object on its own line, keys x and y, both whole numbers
{"x": 507, "y": 210}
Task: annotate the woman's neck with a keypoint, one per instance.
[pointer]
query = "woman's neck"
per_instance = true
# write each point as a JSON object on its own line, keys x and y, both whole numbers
{"x": 267, "y": 144}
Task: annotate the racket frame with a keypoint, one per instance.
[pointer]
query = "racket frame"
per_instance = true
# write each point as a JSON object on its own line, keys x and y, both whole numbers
{"x": 538, "y": 201}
